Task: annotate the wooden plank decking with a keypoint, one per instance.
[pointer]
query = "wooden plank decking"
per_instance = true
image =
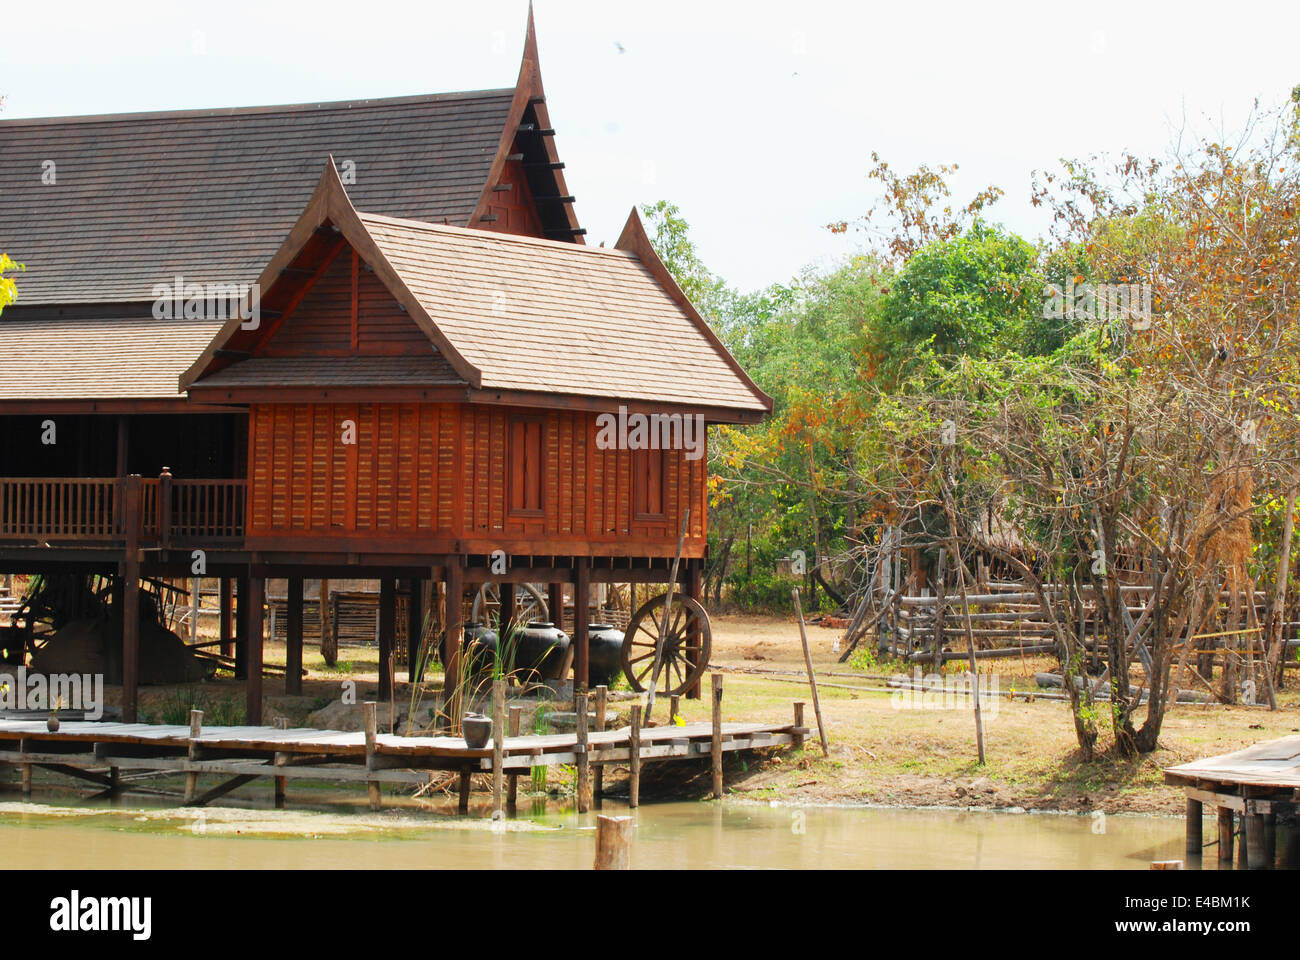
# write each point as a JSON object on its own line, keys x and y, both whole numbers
{"x": 95, "y": 751}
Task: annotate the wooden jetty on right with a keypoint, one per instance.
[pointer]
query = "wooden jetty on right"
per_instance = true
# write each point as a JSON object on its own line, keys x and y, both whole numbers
{"x": 1255, "y": 791}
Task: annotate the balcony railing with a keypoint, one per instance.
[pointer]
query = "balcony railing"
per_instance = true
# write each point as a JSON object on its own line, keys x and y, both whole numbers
{"x": 157, "y": 512}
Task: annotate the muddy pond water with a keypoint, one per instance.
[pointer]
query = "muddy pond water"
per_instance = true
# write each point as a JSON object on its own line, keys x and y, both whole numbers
{"x": 65, "y": 831}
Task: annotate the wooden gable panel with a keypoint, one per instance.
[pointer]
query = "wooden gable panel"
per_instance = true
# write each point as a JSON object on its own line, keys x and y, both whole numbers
{"x": 321, "y": 323}
{"x": 513, "y": 204}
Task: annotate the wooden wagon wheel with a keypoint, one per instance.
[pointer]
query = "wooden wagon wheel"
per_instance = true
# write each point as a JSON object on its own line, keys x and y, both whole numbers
{"x": 530, "y": 605}
{"x": 686, "y": 647}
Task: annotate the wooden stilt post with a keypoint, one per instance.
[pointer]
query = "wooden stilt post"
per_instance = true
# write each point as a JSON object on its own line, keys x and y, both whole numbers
{"x": 226, "y": 616}
{"x": 192, "y": 779}
{"x": 498, "y": 746}
{"x": 674, "y": 708}
{"x": 555, "y": 603}
{"x": 614, "y": 842}
{"x": 26, "y": 769}
{"x": 293, "y": 640}
{"x": 131, "y": 598}
{"x": 581, "y": 622}
{"x": 370, "y": 717}
{"x": 796, "y": 738}
{"x": 512, "y": 785}
{"x": 1225, "y": 835}
{"x": 1194, "y": 838}
{"x": 634, "y": 759}
{"x": 716, "y": 746}
{"x": 196, "y": 601}
{"x": 414, "y": 630}
{"x": 253, "y": 682}
{"x": 1243, "y": 852}
{"x": 329, "y": 639}
{"x": 695, "y": 588}
{"x": 602, "y": 698}
{"x": 242, "y": 607}
{"x": 454, "y": 620}
{"x": 584, "y": 761}
{"x": 505, "y": 610}
{"x": 387, "y": 635}
{"x": 280, "y": 760}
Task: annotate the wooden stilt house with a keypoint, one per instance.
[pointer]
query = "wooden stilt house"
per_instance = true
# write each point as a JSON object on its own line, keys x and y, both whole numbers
{"x": 361, "y": 339}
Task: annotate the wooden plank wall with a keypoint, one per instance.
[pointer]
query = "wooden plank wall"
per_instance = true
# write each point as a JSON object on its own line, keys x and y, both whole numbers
{"x": 424, "y": 472}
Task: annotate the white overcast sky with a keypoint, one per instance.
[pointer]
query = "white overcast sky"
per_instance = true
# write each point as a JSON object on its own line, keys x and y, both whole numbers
{"x": 758, "y": 119}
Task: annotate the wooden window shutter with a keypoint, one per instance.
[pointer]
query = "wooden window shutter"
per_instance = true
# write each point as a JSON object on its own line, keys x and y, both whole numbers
{"x": 527, "y": 458}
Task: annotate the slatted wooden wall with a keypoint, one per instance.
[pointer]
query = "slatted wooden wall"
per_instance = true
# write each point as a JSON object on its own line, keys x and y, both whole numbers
{"x": 419, "y": 473}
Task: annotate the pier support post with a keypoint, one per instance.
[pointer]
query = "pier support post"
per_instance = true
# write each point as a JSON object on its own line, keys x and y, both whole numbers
{"x": 371, "y": 721}
{"x": 498, "y": 746}
{"x": 226, "y": 617}
{"x": 1194, "y": 836}
{"x": 614, "y": 842}
{"x": 281, "y": 783}
{"x": 1257, "y": 856}
{"x": 466, "y": 784}
{"x": 584, "y": 760}
{"x": 634, "y": 759}
{"x": 387, "y": 633}
{"x": 293, "y": 640}
{"x": 716, "y": 745}
{"x": 512, "y": 785}
{"x": 253, "y": 648}
{"x": 1225, "y": 835}
{"x": 602, "y": 705}
{"x": 192, "y": 779}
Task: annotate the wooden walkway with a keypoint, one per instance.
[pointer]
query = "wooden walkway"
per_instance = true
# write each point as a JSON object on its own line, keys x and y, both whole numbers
{"x": 1248, "y": 788}
{"x": 97, "y": 752}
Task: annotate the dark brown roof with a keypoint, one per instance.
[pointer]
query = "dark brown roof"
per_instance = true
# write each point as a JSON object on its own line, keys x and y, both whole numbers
{"x": 111, "y": 359}
{"x": 210, "y": 195}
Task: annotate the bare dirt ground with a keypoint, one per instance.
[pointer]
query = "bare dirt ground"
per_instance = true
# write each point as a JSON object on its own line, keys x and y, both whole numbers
{"x": 883, "y": 750}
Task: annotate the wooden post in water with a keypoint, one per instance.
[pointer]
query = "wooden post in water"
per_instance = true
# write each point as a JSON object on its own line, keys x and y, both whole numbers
{"x": 602, "y": 699}
{"x": 1225, "y": 835}
{"x": 812, "y": 677}
{"x": 192, "y": 779}
{"x": 512, "y": 785}
{"x": 1194, "y": 838}
{"x": 614, "y": 842}
{"x": 280, "y": 760}
{"x": 716, "y": 745}
{"x": 498, "y": 746}
{"x": 634, "y": 759}
{"x": 371, "y": 720}
{"x": 1256, "y": 857}
{"x": 580, "y": 748}
{"x": 463, "y": 790}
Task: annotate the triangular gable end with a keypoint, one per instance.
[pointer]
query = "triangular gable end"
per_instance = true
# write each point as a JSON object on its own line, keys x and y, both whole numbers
{"x": 635, "y": 240}
{"x": 526, "y": 193}
{"x": 329, "y": 292}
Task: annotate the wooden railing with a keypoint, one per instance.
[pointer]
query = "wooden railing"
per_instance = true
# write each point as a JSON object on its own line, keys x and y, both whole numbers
{"x": 97, "y": 510}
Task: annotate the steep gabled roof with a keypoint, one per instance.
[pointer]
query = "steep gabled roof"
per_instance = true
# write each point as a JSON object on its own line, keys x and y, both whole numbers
{"x": 524, "y": 316}
{"x": 140, "y": 198}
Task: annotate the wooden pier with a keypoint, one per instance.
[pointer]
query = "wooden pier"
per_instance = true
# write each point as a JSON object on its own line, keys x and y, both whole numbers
{"x": 98, "y": 753}
{"x": 1255, "y": 792}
